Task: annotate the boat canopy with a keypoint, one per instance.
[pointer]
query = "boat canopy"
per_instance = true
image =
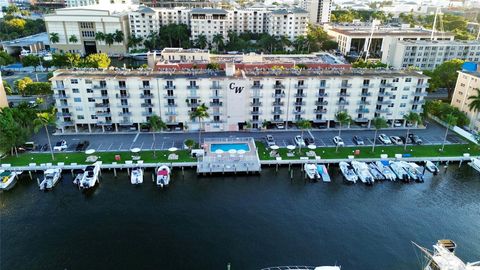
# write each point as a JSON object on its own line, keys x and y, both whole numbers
{"x": 162, "y": 172}
{"x": 385, "y": 162}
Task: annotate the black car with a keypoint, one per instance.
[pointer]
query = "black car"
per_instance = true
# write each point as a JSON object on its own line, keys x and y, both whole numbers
{"x": 415, "y": 139}
{"x": 358, "y": 140}
{"x": 309, "y": 141}
{"x": 7, "y": 73}
{"x": 82, "y": 146}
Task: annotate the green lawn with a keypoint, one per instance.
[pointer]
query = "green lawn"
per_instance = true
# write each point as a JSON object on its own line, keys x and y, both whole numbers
{"x": 366, "y": 151}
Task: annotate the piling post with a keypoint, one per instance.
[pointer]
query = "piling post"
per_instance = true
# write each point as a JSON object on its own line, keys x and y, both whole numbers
{"x": 128, "y": 171}
{"x": 460, "y": 164}
{"x": 153, "y": 178}
{"x": 183, "y": 172}
{"x": 276, "y": 167}
{"x": 71, "y": 171}
{"x": 291, "y": 175}
{"x": 38, "y": 181}
{"x": 30, "y": 173}
{"x": 289, "y": 165}
{"x": 115, "y": 172}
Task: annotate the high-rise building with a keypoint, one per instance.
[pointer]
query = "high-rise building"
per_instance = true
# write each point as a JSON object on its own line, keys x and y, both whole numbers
{"x": 468, "y": 81}
{"x": 81, "y": 3}
{"x": 319, "y": 11}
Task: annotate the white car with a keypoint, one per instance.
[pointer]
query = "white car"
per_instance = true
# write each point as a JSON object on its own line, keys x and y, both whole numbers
{"x": 397, "y": 124}
{"x": 299, "y": 141}
{"x": 60, "y": 145}
{"x": 338, "y": 141}
{"x": 384, "y": 139}
{"x": 396, "y": 140}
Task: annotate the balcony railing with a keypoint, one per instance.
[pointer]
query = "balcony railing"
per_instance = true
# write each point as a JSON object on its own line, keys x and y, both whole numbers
{"x": 299, "y": 103}
{"x": 216, "y": 104}
{"x": 366, "y": 94}
{"x": 122, "y": 96}
{"x": 278, "y": 86}
{"x": 170, "y": 105}
{"x": 124, "y": 113}
{"x": 255, "y": 112}
{"x": 343, "y": 94}
{"x": 258, "y": 103}
{"x": 102, "y": 105}
{"x": 145, "y": 87}
{"x": 256, "y": 95}
{"x": 170, "y": 96}
{"x": 321, "y": 111}
{"x": 257, "y": 86}
{"x": 63, "y": 114}
{"x": 147, "y": 113}
{"x": 384, "y": 94}
{"x": 169, "y": 87}
{"x": 321, "y": 103}
{"x": 215, "y": 86}
{"x": 300, "y": 86}
{"x": 278, "y": 120}
{"x": 193, "y": 105}
{"x": 277, "y": 111}
{"x": 385, "y": 102}
{"x": 299, "y": 95}
{"x": 420, "y": 94}
{"x": 363, "y": 102}
{"x": 125, "y": 122}
{"x": 341, "y": 103}
{"x": 323, "y": 86}
{"x": 278, "y": 95}
{"x": 61, "y": 96}
{"x": 170, "y": 113}
{"x": 62, "y": 105}
{"x": 364, "y": 110}
{"x": 147, "y": 105}
{"x": 322, "y": 94}
{"x": 103, "y": 114}
{"x": 386, "y": 85}
{"x": 382, "y": 110}
{"x": 100, "y": 87}
{"x": 104, "y": 123}
{"x": 123, "y": 105}
{"x": 278, "y": 103}
{"x": 347, "y": 85}
{"x": 423, "y": 85}
{"x": 146, "y": 95}
{"x": 418, "y": 102}
{"x": 59, "y": 87}
{"x": 190, "y": 95}
{"x": 118, "y": 87}
{"x": 298, "y": 112}
{"x": 368, "y": 85}
{"x": 192, "y": 87}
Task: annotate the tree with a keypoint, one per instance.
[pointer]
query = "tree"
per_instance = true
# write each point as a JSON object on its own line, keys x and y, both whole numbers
{"x": 378, "y": 123}
{"x": 156, "y": 124}
{"x": 31, "y": 61}
{"x": 21, "y": 84}
{"x": 118, "y": 36}
{"x": 451, "y": 121}
{"x": 99, "y": 36}
{"x": 343, "y": 119}
{"x": 73, "y": 39}
{"x": 201, "y": 41}
{"x": 59, "y": 60}
{"x": 445, "y": 76}
{"x": 44, "y": 119}
{"x": 54, "y": 38}
{"x": 134, "y": 41}
{"x": 200, "y": 113}
{"x": 109, "y": 39}
{"x": 474, "y": 104}
{"x": 38, "y": 88}
{"x": 73, "y": 59}
{"x": 218, "y": 41}
{"x": 189, "y": 143}
{"x": 12, "y": 9}
{"x": 414, "y": 119}
{"x": 9, "y": 130}
{"x": 97, "y": 60}
{"x": 16, "y": 24}
{"x": 6, "y": 59}
{"x": 302, "y": 125}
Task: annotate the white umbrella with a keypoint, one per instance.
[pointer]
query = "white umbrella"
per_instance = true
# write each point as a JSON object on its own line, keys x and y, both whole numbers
{"x": 312, "y": 146}
{"x": 274, "y": 147}
{"x": 219, "y": 151}
{"x": 241, "y": 152}
{"x": 172, "y": 149}
{"x": 232, "y": 151}
{"x": 291, "y": 147}
{"x": 90, "y": 151}
{"x": 135, "y": 150}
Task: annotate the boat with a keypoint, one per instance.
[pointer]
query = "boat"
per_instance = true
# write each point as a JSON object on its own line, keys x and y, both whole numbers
{"x": 90, "y": 177}
{"x": 323, "y": 172}
{"x": 375, "y": 172}
{"x": 348, "y": 172}
{"x": 136, "y": 177}
{"x": 399, "y": 171}
{"x": 311, "y": 171}
{"x": 409, "y": 169}
{"x": 302, "y": 267}
{"x": 475, "y": 163}
{"x": 443, "y": 257}
{"x": 78, "y": 176}
{"x": 361, "y": 169}
{"x": 384, "y": 167}
{"x": 50, "y": 178}
{"x": 8, "y": 179}
{"x": 431, "y": 167}
{"x": 163, "y": 176}
{"x": 418, "y": 171}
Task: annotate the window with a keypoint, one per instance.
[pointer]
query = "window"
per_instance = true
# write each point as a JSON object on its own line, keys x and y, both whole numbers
{"x": 90, "y": 91}
{"x": 74, "y": 81}
{"x": 75, "y": 90}
{"x": 404, "y": 97}
{"x": 91, "y": 100}
{"x": 403, "y": 105}
{"x": 80, "y": 117}
{"x": 77, "y": 99}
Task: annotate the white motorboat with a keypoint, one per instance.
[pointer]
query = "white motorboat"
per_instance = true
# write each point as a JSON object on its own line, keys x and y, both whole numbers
{"x": 399, "y": 171}
{"x": 311, "y": 171}
{"x": 163, "y": 176}
{"x": 90, "y": 177}
{"x": 375, "y": 172}
{"x": 431, "y": 167}
{"x": 50, "y": 179}
{"x": 418, "y": 170}
{"x": 78, "y": 177}
{"x": 384, "y": 167}
{"x": 409, "y": 169}
{"x": 136, "y": 177}
{"x": 443, "y": 257}
{"x": 8, "y": 179}
{"x": 323, "y": 173}
{"x": 348, "y": 172}
{"x": 363, "y": 172}
{"x": 475, "y": 163}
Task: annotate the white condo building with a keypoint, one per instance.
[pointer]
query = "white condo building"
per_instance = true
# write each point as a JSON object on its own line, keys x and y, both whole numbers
{"x": 90, "y": 100}
{"x": 467, "y": 84}
{"x": 319, "y": 11}
{"x": 81, "y": 3}
{"x": 289, "y": 23}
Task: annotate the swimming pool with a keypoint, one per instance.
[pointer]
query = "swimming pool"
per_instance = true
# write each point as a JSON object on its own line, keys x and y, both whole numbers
{"x": 228, "y": 146}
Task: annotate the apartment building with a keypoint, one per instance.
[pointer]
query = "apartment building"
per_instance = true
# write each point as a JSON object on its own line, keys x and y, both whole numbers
{"x": 354, "y": 39}
{"x": 252, "y": 19}
{"x": 427, "y": 54}
{"x": 319, "y": 11}
{"x": 84, "y": 23}
{"x": 82, "y": 3}
{"x": 467, "y": 83}
{"x": 112, "y": 100}
{"x": 290, "y": 23}
{"x": 208, "y": 22}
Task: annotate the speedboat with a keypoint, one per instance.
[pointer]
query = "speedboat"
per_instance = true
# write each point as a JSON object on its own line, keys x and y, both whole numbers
{"x": 348, "y": 172}
{"x": 384, "y": 167}
{"x": 431, "y": 167}
{"x": 8, "y": 179}
{"x": 399, "y": 171}
{"x": 311, "y": 171}
{"x": 79, "y": 175}
{"x": 409, "y": 169}
{"x": 90, "y": 177}
{"x": 136, "y": 177}
{"x": 443, "y": 257}
{"x": 375, "y": 172}
{"x": 50, "y": 178}
{"x": 163, "y": 176}
{"x": 475, "y": 163}
{"x": 361, "y": 169}
{"x": 418, "y": 170}
{"x": 323, "y": 172}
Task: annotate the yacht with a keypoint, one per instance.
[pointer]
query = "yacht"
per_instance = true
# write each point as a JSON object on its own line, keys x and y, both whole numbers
{"x": 384, "y": 167}
{"x": 361, "y": 169}
{"x": 90, "y": 177}
{"x": 443, "y": 257}
{"x": 418, "y": 170}
{"x": 431, "y": 167}
{"x": 163, "y": 176}
{"x": 409, "y": 169}
{"x": 348, "y": 172}
{"x": 136, "y": 177}
{"x": 475, "y": 163}
{"x": 50, "y": 178}
{"x": 377, "y": 174}
{"x": 323, "y": 172}
{"x": 399, "y": 171}
{"x": 311, "y": 171}
{"x": 8, "y": 179}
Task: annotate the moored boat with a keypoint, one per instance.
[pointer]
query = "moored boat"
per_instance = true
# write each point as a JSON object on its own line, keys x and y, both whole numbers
{"x": 399, "y": 171}
{"x": 311, "y": 171}
{"x": 418, "y": 170}
{"x": 375, "y": 172}
{"x": 50, "y": 179}
{"x": 163, "y": 176}
{"x": 90, "y": 177}
{"x": 409, "y": 169}
{"x": 323, "y": 172}
{"x": 443, "y": 257}
{"x": 136, "y": 177}
{"x": 361, "y": 169}
{"x": 431, "y": 167}
{"x": 8, "y": 179}
{"x": 348, "y": 172}
{"x": 384, "y": 167}
{"x": 475, "y": 163}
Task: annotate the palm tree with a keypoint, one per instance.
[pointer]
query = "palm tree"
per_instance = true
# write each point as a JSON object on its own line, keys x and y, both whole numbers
{"x": 201, "y": 41}
{"x": 118, "y": 36}
{"x": 414, "y": 119}
{"x": 109, "y": 39}
{"x": 378, "y": 123}
{"x": 343, "y": 119}
{"x": 134, "y": 41}
{"x": 54, "y": 38}
{"x": 218, "y": 40}
{"x": 474, "y": 104}
{"x": 303, "y": 124}
{"x": 73, "y": 39}
{"x": 450, "y": 120}
{"x": 200, "y": 113}
{"x": 156, "y": 124}
{"x": 283, "y": 42}
{"x": 44, "y": 119}
{"x": 99, "y": 36}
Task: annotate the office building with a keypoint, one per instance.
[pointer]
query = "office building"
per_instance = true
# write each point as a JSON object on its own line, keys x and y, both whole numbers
{"x": 467, "y": 83}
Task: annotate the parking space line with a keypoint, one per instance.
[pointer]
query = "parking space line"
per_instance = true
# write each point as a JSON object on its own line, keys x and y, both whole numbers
{"x": 141, "y": 146}
{"x": 120, "y": 147}
{"x": 136, "y": 137}
{"x": 110, "y": 146}
{"x": 99, "y": 146}
{"x": 162, "y": 145}
{"x": 151, "y": 147}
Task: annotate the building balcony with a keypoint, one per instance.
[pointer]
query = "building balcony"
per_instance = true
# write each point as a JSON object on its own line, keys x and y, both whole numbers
{"x": 361, "y": 119}
{"x": 216, "y": 104}
{"x": 278, "y": 120}
{"x": 145, "y": 87}
{"x": 102, "y": 105}
{"x": 418, "y": 102}
{"x": 420, "y": 94}
{"x": 103, "y": 114}
{"x": 321, "y": 103}
{"x": 192, "y": 87}
{"x": 125, "y": 122}
{"x": 299, "y": 103}
{"x": 216, "y": 112}
{"x": 99, "y": 87}
{"x": 118, "y": 87}
{"x": 257, "y": 86}
{"x": 298, "y": 86}
{"x": 299, "y": 95}
{"x": 63, "y": 105}
{"x": 346, "y": 85}
{"x": 215, "y": 87}
{"x": 169, "y": 113}
{"x": 363, "y": 110}
{"x": 216, "y": 96}
{"x": 384, "y": 85}
{"x": 124, "y": 113}
{"x": 385, "y": 102}
{"x": 169, "y": 87}
{"x": 298, "y": 112}
{"x": 323, "y": 86}
{"x": 278, "y": 86}
{"x": 64, "y": 114}
{"x": 382, "y": 110}
{"x": 147, "y": 113}
{"x": 146, "y": 95}
{"x": 256, "y": 95}
{"x": 343, "y": 94}
{"x": 58, "y": 87}
{"x": 363, "y": 102}
{"x": 366, "y": 94}
{"x": 342, "y": 103}
{"x": 255, "y": 112}
{"x": 216, "y": 121}
{"x": 193, "y": 105}
{"x": 170, "y": 105}
{"x": 258, "y": 103}
{"x": 170, "y": 96}
{"x": 277, "y": 111}
{"x": 66, "y": 123}
{"x": 370, "y": 85}
{"x": 61, "y": 96}
{"x": 320, "y": 111}
{"x": 191, "y": 95}
{"x": 278, "y": 103}
{"x": 384, "y": 94}
{"x": 423, "y": 85}
{"x": 147, "y": 105}
{"x": 322, "y": 94}
{"x": 417, "y": 110}
{"x": 278, "y": 95}
{"x": 104, "y": 123}
{"x": 122, "y": 96}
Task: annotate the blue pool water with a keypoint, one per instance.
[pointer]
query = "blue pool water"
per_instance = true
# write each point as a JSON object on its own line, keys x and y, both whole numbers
{"x": 228, "y": 146}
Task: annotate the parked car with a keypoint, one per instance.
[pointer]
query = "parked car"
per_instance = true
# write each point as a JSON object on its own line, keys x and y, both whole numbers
{"x": 299, "y": 141}
{"x": 384, "y": 139}
{"x": 358, "y": 140}
{"x": 338, "y": 141}
{"x": 29, "y": 146}
{"x": 415, "y": 139}
{"x": 280, "y": 126}
{"x": 7, "y": 73}
{"x": 309, "y": 141}
{"x": 270, "y": 141}
{"x": 396, "y": 140}
{"x": 397, "y": 123}
{"x": 82, "y": 146}
{"x": 60, "y": 145}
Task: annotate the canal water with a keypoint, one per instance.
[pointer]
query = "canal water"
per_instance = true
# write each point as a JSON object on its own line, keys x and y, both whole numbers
{"x": 248, "y": 221}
